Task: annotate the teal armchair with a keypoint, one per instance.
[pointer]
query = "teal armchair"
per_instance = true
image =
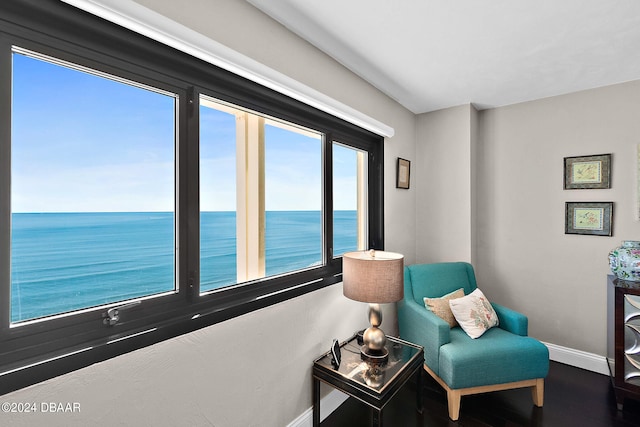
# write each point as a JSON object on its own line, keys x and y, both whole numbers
{"x": 504, "y": 357}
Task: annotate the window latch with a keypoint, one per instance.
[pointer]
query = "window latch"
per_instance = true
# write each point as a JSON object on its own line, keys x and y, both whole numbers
{"x": 112, "y": 315}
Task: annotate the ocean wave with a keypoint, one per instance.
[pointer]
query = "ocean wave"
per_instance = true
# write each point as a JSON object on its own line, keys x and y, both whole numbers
{"x": 71, "y": 261}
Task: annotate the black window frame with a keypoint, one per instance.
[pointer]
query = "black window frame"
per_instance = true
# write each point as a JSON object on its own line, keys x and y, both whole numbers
{"x": 40, "y": 350}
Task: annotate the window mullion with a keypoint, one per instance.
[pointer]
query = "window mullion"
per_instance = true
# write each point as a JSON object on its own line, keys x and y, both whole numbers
{"x": 328, "y": 199}
{"x": 5, "y": 184}
{"x": 187, "y": 200}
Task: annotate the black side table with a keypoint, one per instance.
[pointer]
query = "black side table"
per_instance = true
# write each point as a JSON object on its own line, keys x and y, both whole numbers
{"x": 370, "y": 384}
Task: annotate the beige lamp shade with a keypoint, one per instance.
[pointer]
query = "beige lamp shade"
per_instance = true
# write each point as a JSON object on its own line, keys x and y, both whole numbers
{"x": 373, "y": 276}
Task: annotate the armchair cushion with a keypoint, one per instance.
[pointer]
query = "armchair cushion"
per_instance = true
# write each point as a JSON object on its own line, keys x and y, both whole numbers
{"x": 440, "y": 306}
{"x": 474, "y": 313}
{"x": 496, "y": 357}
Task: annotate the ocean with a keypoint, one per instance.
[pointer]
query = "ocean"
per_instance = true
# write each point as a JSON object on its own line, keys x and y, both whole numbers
{"x": 63, "y": 262}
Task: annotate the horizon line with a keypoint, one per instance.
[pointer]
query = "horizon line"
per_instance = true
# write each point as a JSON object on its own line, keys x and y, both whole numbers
{"x": 105, "y": 212}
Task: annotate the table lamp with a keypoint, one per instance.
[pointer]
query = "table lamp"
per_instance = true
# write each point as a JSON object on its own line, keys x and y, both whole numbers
{"x": 375, "y": 277}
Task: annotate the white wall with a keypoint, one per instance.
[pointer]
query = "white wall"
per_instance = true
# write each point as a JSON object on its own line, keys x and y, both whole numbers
{"x": 254, "y": 370}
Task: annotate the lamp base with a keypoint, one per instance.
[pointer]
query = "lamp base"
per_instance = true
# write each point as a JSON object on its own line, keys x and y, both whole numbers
{"x": 374, "y": 356}
{"x": 374, "y": 350}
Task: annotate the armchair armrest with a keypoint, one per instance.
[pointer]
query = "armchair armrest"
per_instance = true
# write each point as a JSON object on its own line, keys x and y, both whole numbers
{"x": 510, "y": 320}
{"x": 420, "y": 326}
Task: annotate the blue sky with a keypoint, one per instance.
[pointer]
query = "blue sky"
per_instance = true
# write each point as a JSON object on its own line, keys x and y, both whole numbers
{"x": 82, "y": 143}
{"x": 86, "y": 143}
{"x": 292, "y": 172}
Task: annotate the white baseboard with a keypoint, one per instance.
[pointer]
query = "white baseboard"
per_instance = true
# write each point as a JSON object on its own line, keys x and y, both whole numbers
{"x": 578, "y": 358}
{"x": 569, "y": 356}
{"x": 328, "y": 404}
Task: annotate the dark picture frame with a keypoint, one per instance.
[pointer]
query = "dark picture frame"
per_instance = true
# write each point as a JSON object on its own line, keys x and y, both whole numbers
{"x": 589, "y": 218}
{"x": 587, "y": 172}
{"x": 403, "y": 173}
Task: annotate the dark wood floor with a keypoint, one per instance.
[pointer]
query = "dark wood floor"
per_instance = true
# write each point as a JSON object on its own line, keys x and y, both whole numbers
{"x": 573, "y": 398}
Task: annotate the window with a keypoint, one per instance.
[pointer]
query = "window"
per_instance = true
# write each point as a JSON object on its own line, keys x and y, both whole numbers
{"x": 260, "y": 196}
{"x": 349, "y": 199}
{"x": 293, "y": 198}
{"x": 145, "y": 194}
{"x": 218, "y": 244}
{"x": 92, "y": 189}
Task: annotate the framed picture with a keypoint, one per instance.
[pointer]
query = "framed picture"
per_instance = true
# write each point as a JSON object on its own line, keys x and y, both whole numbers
{"x": 587, "y": 172}
{"x": 403, "y": 173}
{"x": 591, "y": 218}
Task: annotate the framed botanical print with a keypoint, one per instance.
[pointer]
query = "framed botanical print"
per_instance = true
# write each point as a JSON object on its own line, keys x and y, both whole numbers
{"x": 592, "y": 218}
{"x": 584, "y": 172}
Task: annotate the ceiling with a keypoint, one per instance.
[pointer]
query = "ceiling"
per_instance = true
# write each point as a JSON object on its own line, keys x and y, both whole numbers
{"x": 433, "y": 54}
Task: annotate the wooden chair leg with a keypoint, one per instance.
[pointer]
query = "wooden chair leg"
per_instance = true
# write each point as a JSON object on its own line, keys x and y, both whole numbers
{"x": 454, "y": 395}
{"x": 537, "y": 391}
{"x": 453, "y": 402}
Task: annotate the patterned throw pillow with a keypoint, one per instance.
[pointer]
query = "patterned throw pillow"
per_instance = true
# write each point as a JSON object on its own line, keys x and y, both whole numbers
{"x": 440, "y": 306}
{"x": 474, "y": 313}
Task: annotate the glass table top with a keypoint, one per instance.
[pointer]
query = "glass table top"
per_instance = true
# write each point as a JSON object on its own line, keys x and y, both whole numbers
{"x": 373, "y": 376}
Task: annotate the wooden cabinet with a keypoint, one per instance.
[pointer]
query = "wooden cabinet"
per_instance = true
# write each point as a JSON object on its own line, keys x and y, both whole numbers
{"x": 623, "y": 347}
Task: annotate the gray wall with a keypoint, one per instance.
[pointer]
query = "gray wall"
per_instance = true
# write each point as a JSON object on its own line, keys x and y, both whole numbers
{"x": 254, "y": 370}
{"x": 522, "y": 257}
{"x": 446, "y": 184}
